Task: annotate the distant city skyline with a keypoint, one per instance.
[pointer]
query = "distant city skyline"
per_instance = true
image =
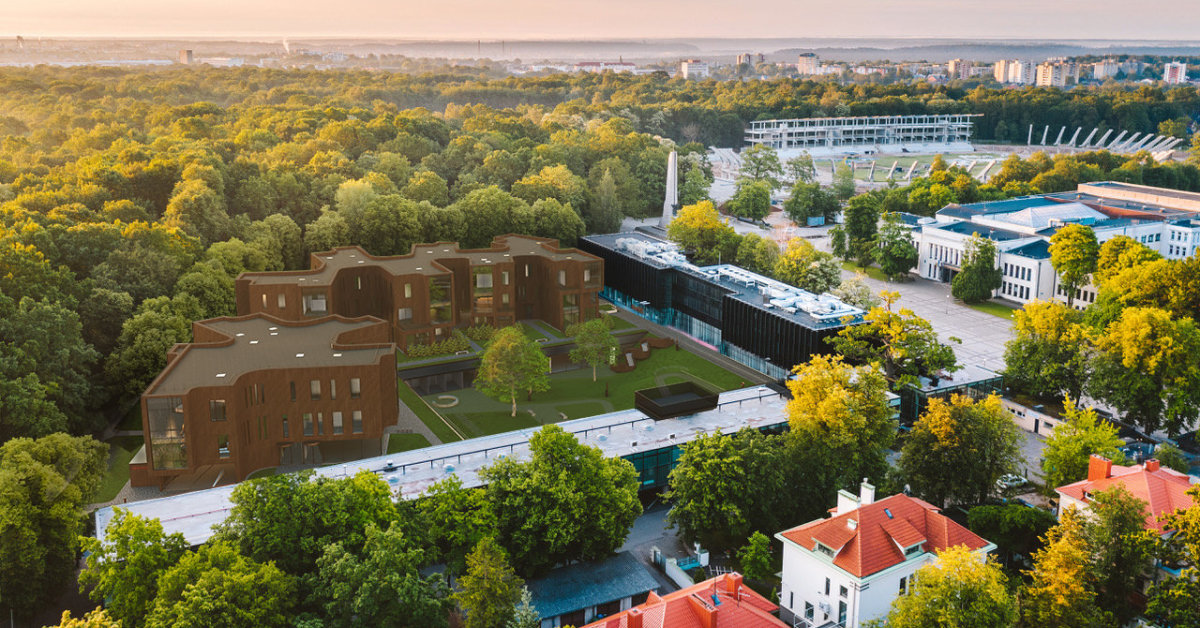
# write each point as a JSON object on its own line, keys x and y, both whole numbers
{"x": 573, "y": 19}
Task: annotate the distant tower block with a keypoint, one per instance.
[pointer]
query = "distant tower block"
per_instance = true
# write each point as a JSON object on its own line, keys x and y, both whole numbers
{"x": 186, "y": 57}
{"x": 671, "y": 199}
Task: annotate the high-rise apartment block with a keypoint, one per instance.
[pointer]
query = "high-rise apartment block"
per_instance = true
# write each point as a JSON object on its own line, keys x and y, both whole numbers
{"x": 693, "y": 69}
{"x": 959, "y": 69}
{"x": 808, "y": 64}
{"x": 1014, "y": 71}
{"x": 1175, "y": 73}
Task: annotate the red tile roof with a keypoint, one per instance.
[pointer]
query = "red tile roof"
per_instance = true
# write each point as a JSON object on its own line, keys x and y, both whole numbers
{"x": 1164, "y": 490}
{"x": 877, "y": 539}
{"x": 693, "y": 607}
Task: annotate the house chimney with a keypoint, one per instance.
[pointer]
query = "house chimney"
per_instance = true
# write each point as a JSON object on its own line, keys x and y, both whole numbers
{"x": 1151, "y": 464}
{"x": 634, "y": 618}
{"x": 866, "y": 493}
{"x": 846, "y": 502}
{"x": 733, "y": 582}
{"x": 1099, "y": 468}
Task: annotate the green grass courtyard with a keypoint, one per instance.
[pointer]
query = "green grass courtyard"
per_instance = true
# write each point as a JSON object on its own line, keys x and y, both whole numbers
{"x": 574, "y": 395}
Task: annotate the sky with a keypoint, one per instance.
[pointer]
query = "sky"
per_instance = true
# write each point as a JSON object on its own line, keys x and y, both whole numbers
{"x": 601, "y": 19}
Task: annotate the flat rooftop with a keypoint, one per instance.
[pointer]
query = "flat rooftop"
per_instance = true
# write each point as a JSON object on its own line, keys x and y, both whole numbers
{"x": 421, "y": 261}
{"x": 260, "y": 342}
{"x": 411, "y": 473}
{"x": 811, "y": 310}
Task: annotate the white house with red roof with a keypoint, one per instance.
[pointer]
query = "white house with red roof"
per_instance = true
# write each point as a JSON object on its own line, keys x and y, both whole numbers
{"x": 1163, "y": 489}
{"x": 847, "y": 569}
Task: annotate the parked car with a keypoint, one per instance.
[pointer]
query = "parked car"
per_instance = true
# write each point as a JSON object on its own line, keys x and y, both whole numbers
{"x": 1010, "y": 480}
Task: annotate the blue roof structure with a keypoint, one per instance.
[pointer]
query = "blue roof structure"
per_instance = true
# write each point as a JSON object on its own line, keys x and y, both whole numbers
{"x": 1038, "y": 249}
{"x": 969, "y": 228}
{"x": 584, "y": 585}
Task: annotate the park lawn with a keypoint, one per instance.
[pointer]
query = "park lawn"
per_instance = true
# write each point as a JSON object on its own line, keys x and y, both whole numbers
{"x": 409, "y": 397}
{"x": 406, "y": 442}
{"x": 574, "y": 394}
{"x": 995, "y": 309}
{"x": 871, "y": 271}
{"x": 120, "y": 451}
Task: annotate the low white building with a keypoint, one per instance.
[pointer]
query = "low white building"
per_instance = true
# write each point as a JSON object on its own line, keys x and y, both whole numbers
{"x": 693, "y": 69}
{"x": 846, "y": 570}
{"x": 1166, "y": 221}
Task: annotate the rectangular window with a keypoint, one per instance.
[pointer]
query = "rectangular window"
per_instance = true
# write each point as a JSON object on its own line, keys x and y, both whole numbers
{"x": 587, "y": 275}
{"x": 356, "y": 423}
{"x": 504, "y": 277}
{"x": 827, "y": 586}
{"x": 223, "y": 446}
{"x": 337, "y": 422}
{"x": 808, "y": 610}
{"x": 527, "y": 270}
{"x": 404, "y": 314}
{"x": 320, "y": 424}
{"x": 286, "y": 432}
{"x": 358, "y": 283}
{"x": 314, "y": 389}
{"x": 216, "y": 409}
{"x": 504, "y": 298}
{"x": 903, "y": 585}
{"x": 355, "y": 388}
{"x": 562, "y": 277}
{"x": 281, "y": 300}
{"x": 408, "y": 290}
{"x": 293, "y": 387}
{"x": 842, "y": 613}
{"x": 842, "y": 591}
{"x": 333, "y": 389}
{"x": 483, "y": 279}
{"x": 264, "y": 301}
{"x": 308, "y": 424}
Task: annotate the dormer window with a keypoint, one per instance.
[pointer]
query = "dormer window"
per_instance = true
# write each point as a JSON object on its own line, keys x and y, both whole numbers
{"x": 913, "y": 550}
{"x": 825, "y": 549}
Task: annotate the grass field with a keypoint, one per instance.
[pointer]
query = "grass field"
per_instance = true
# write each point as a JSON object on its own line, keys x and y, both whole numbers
{"x": 575, "y": 395}
{"x": 995, "y": 309}
{"x": 870, "y": 271}
{"x": 120, "y": 451}
{"x": 430, "y": 418}
{"x": 405, "y": 442}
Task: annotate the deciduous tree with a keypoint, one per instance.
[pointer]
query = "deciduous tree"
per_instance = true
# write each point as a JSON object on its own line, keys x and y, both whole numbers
{"x": 1061, "y": 592}
{"x": 489, "y": 590}
{"x": 215, "y": 581}
{"x": 902, "y": 343}
{"x": 751, "y": 200}
{"x": 803, "y": 266}
{"x": 123, "y": 570}
{"x": 1049, "y": 355}
{"x": 1074, "y": 254}
{"x": 957, "y": 589}
{"x": 979, "y": 276}
{"x": 512, "y": 364}
{"x": 897, "y": 254}
{"x": 760, "y": 162}
{"x": 1072, "y": 444}
{"x": 594, "y": 344}
{"x": 699, "y": 230}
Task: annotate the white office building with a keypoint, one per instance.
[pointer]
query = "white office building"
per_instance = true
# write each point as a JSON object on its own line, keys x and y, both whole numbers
{"x": 870, "y": 134}
{"x": 693, "y": 69}
{"x": 846, "y": 570}
{"x": 1167, "y": 221}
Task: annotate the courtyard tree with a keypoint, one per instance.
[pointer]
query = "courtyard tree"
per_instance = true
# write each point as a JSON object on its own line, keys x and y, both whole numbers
{"x": 1061, "y": 592}
{"x": 755, "y": 557}
{"x": 896, "y": 252}
{"x": 216, "y": 581}
{"x": 959, "y": 448}
{"x": 1173, "y": 600}
{"x": 44, "y": 484}
{"x": 1148, "y": 366}
{"x": 810, "y": 200}
{"x": 843, "y": 409}
{"x": 800, "y": 169}
{"x": 854, "y": 239}
{"x": 699, "y": 230}
{"x": 594, "y": 344}
{"x": 803, "y": 266}
{"x": 758, "y": 254}
{"x": 123, "y": 570}
{"x": 903, "y": 344}
{"x": 957, "y": 589}
{"x": 761, "y": 163}
{"x": 568, "y": 502}
{"x": 1072, "y": 444}
{"x": 1074, "y": 254}
{"x": 381, "y": 585}
{"x": 489, "y": 590}
{"x": 1049, "y": 354}
{"x": 979, "y": 276}
{"x": 752, "y": 200}
{"x": 1120, "y": 253}
{"x": 726, "y": 487}
{"x": 512, "y": 364}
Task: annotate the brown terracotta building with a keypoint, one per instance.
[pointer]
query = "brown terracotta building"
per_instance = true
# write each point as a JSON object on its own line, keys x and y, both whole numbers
{"x": 258, "y": 391}
{"x": 437, "y": 287}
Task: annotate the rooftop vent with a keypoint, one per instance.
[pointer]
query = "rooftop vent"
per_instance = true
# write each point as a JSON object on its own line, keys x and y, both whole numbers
{"x": 220, "y": 375}
{"x": 253, "y": 342}
{"x": 299, "y": 355}
{"x": 852, "y": 524}
{"x": 337, "y": 355}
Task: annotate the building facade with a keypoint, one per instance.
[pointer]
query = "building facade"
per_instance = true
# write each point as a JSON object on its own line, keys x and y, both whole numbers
{"x": 693, "y": 69}
{"x": 426, "y": 294}
{"x": 959, "y": 69}
{"x": 1175, "y": 73}
{"x": 846, "y": 570}
{"x": 258, "y": 391}
{"x": 1167, "y": 221}
{"x": 762, "y": 323}
{"x": 808, "y": 64}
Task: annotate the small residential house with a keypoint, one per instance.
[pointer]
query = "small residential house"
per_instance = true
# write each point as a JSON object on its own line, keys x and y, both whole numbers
{"x": 720, "y": 602}
{"x": 846, "y": 570}
{"x": 581, "y": 592}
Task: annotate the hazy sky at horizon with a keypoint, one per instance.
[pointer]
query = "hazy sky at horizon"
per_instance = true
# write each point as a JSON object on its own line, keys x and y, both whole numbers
{"x": 573, "y": 19}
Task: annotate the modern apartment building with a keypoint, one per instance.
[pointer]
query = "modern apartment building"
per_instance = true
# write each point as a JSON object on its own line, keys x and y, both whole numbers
{"x": 693, "y": 69}
{"x": 1167, "y": 221}
{"x": 808, "y": 64}
{"x": 258, "y": 391}
{"x": 959, "y": 69}
{"x": 1015, "y": 71}
{"x": 426, "y": 294}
